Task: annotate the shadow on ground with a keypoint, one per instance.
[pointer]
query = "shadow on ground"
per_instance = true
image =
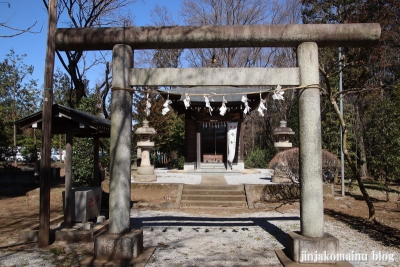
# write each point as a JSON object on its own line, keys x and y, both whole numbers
{"x": 195, "y": 222}
{"x": 384, "y": 234}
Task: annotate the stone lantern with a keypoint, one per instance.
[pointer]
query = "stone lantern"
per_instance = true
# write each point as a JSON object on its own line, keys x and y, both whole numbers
{"x": 281, "y": 135}
{"x": 145, "y": 172}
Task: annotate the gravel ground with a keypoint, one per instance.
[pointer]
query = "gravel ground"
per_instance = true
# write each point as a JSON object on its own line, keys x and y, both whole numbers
{"x": 195, "y": 237}
{"x": 247, "y": 239}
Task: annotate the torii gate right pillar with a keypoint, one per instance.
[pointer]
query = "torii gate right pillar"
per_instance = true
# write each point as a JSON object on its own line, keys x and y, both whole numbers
{"x": 312, "y": 239}
{"x": 310, "y": 150}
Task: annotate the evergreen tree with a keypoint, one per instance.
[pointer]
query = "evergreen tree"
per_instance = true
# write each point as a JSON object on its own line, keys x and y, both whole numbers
{"x": 19, "y": 97}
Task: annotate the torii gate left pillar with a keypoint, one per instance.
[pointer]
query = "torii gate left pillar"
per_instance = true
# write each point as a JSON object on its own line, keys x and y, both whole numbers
{"x": 120, "y": 243}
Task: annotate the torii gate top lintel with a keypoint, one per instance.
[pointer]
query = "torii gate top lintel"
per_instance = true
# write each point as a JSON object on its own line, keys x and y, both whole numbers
{"x": 173, "y": 37}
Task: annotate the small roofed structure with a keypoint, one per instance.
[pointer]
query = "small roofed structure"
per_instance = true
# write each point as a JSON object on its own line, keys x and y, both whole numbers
{"x": 73, "y": 123}
{"x": 68, "y": 120}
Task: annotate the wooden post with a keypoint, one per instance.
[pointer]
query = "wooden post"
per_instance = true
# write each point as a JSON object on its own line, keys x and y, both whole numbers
{"x": 198, "y": 145}
{"x": 68, "y": 181}
{"x": 96, "y": 170}
{"x": 45, "y": 172}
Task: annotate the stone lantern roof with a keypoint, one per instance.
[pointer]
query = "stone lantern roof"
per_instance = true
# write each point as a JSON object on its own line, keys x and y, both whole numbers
{"x": 283, "y": 129}
{"x": 145, "y": 129}
{"x": 145, "y": 132}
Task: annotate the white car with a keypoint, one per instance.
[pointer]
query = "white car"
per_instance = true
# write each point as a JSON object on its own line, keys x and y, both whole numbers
{"x": 55, "y": 156}
{"x": 19, "y": 157}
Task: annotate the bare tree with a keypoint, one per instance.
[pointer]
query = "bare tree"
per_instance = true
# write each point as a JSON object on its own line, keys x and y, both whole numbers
{"x": 236, "y": 12}
{"x": 247, "y": 12}
{"x": 15, "y": 31}
{"x": 84, "y": 14}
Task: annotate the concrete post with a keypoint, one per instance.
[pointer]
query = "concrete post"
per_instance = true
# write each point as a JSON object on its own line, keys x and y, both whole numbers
{"x": 311, "y": 209}
{"x": 120, "y": 141}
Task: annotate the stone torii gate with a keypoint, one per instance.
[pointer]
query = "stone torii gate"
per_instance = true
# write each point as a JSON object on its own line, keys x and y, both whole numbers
{"x": 306, "y": 38}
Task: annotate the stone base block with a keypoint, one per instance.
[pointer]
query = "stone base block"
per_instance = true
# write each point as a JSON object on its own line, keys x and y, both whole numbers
{"x": 29, "y": 235}
{"x": 71, "y": 235}
{"x": 328, "y": 190}
{"x": 140, "y": 261}
{"x": 86, "y": 203}
{"x": 304, "y": 249}
{"x": 80, "y": 232}
{"x": 124, "y": 247}
{"x": 145, "y": 178}
{"x": 145, "y": 170}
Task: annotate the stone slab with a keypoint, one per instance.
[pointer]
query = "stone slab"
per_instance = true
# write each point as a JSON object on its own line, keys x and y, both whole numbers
{"x": 287, "y": 262}
{"x": 81, "y": 232}
{"x": 300, "y": 245}
{"x": 124, "y": 247}
{"x": 145, "y": 178}
{"x": 31, "y": 234}
{"x": 214, "y": 180}
{"x": 138, "y": 262}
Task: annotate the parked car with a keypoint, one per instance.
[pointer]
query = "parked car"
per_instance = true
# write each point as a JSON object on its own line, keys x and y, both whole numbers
{"x": 55, "y": 156}
{"x": 19, "y": 157}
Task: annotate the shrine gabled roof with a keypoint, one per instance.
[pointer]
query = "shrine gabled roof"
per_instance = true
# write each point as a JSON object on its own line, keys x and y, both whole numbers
{"x": 65, "y": 120}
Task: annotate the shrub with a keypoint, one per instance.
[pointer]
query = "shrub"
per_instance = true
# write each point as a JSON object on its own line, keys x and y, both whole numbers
{"x": 256, "y": 159}
{"x": 82, "y": 161}
{"x": 290, "y": 160}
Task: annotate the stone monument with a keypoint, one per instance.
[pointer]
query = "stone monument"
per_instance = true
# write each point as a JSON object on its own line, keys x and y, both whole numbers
{"x": 145, "y": 172}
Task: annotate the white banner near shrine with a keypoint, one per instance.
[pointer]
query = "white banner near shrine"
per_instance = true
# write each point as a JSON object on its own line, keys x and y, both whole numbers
{"x": 232, "y": 132}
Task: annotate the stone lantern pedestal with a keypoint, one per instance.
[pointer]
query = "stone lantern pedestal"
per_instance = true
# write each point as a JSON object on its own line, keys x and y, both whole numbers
{"x": 145, "y": 172}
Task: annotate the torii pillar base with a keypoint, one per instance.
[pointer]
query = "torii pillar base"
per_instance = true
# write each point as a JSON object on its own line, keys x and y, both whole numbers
{"x": 303, "y": 251}
{"x": 119, "y": 250}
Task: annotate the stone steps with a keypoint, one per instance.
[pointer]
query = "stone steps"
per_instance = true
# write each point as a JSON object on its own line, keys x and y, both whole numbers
{"x": 204, "y": 196}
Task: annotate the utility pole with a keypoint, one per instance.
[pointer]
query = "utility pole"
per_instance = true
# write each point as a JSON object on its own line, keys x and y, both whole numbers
{"x": 45, "y": 171}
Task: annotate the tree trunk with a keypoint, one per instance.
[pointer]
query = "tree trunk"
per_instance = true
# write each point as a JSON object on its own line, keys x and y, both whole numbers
{"x": 352, "y": 164}
{"x": 361, "y": 145}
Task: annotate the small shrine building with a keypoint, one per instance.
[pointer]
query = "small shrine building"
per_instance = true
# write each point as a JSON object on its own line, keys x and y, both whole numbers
{"x": 214, "y": 123}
